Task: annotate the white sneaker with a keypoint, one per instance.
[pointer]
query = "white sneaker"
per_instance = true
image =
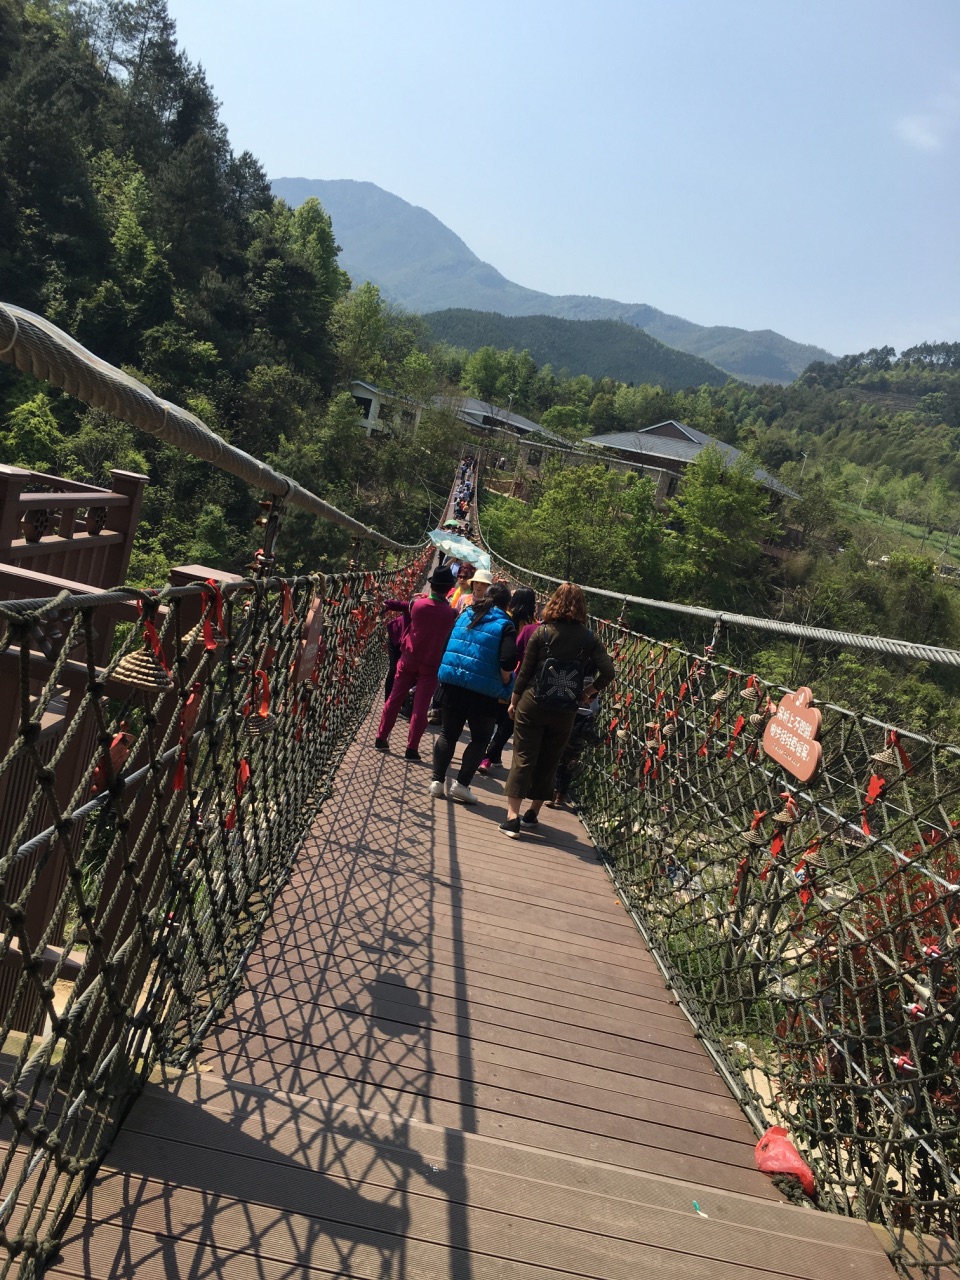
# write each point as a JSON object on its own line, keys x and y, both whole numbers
{"x": 459, "y": 792}
{"x": 436, "y": 790}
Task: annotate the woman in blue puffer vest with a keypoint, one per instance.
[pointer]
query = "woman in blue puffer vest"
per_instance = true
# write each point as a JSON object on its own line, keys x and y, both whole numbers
{"x": 476, "y": 675}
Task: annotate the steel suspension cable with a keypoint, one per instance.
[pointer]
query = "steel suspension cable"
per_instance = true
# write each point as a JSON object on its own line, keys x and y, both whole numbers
{"x": 795, "y": 630}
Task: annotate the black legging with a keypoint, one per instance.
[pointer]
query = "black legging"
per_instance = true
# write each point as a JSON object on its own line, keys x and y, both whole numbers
{"x": 458, "y": 707}
{"x": 501, "y": 734}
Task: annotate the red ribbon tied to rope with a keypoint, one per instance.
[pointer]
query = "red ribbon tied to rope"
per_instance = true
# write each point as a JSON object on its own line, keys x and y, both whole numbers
{"x": 212, "y": 587}
{"x": 239, "y": 786}
{"x": 790, "y": 803}
{"x": 188, "y": 718}
{"x": 738, "y": 879}
{"x": 287, "y": 611}
{"x": 737, "y": 730}
{"x": 875, "y": 788}
{"x": 118, "y": 751}
{"x": 805, "y": 881}
{"x": 264, "y": 709}
{"x": 893, "y": 740}
{"x": 777, "y": 845}
{"x": 150, "y": 631}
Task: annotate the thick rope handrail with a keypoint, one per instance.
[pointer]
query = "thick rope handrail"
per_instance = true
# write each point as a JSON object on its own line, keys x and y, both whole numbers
{"x": 796, "y": 630}
{"x": 33, "y": 610}
{"x": 35, "y": 346}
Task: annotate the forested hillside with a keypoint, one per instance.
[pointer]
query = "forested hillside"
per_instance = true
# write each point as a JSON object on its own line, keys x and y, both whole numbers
{"x": 132, "y": 223}
{"x": 600, "y": 348}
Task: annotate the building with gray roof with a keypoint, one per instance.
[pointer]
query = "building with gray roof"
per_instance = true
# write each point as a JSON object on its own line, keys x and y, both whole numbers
{"x": 484, "y": 416}
{"x": 669, "y": 447}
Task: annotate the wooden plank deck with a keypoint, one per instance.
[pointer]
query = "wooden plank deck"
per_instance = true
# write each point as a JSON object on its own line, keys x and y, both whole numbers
{"x": 453, "y": 1058}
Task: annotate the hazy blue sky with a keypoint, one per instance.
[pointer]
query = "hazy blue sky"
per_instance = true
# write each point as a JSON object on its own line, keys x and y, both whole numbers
{"x": 783, "y": 164}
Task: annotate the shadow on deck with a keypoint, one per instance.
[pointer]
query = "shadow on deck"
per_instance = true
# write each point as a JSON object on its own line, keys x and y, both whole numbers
{"x": 453, "y": 1059}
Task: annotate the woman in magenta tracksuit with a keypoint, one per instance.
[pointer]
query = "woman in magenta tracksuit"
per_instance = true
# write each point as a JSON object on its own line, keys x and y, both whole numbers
{"x": 431, "y": 621}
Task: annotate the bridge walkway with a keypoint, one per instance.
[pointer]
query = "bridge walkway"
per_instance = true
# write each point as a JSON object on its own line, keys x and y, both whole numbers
{"x": 453, "y": 1059}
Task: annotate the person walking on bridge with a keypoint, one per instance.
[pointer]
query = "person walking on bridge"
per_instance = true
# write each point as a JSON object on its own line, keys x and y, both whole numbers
{"x": 523, "y": 610}
{"x": 551, "y": 684}
{"x": 476, "y": 675}
{"x": 431, "y": 621}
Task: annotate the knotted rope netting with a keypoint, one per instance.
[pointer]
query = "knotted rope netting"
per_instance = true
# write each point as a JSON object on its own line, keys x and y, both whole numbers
{"x": 135, "y": 883}
{"x": 811, "y": 931}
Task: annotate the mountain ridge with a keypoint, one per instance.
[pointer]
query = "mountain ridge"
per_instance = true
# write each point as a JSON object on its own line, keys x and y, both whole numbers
{"x": 420, "y": 263}
{"x": 600, "y": 348}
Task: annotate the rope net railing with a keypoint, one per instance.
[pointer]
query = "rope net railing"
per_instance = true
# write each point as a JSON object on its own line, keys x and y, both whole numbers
{"x": 811, "y": 931}
{"x": 152, "y": 803}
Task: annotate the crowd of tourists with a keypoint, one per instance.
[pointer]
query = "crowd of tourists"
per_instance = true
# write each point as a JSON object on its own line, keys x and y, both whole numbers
{"x": 463, "y": 494}
{"x": 471, "y": 654}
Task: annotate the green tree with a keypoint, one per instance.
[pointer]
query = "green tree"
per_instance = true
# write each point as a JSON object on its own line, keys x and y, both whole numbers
{"x": 816, "y": 513}
{"x": 373, "y": 338}
{"x": 917, "y": 606}
{"x": 313, "y": 239}
{"x": 595, "y": 526}
{"x": 514, "y": 385}
{"x": 32, "y": 438}
{"x": 482, "y": 372}
{"x": 721, "y": 517}
{"x": 567, "y": 421}
{"x": 358, "y": 327}
{"x": 101, "y": 445}
{"x": 602, "y": 414}
{"x": 417, "y": 378}
{"x": 639, "y": 407}
{"x": 138, "y": 294}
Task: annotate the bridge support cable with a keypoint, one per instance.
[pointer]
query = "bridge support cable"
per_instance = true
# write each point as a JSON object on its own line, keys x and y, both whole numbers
{"x": 37, "y": 347}
{"x": 720, "y": 619}
{"x": 810, "y": 930}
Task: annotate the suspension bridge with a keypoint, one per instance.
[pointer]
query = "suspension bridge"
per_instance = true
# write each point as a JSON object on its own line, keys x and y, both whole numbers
{"x": 269, "y": 1008}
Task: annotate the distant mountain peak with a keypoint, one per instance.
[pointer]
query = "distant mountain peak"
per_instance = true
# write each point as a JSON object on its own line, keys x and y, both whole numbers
{"x": 421, "y": 264}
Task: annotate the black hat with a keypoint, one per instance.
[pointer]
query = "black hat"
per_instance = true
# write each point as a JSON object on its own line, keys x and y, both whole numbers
{"x": 442, "y": 579}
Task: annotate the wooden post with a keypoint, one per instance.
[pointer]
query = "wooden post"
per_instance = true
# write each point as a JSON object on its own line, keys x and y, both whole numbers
{"x": 123, "y": 520}
{"x": 13, "y": 481}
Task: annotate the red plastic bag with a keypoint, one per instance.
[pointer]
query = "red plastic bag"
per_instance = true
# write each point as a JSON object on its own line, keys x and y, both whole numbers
{"x": 775, "y": 1153}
